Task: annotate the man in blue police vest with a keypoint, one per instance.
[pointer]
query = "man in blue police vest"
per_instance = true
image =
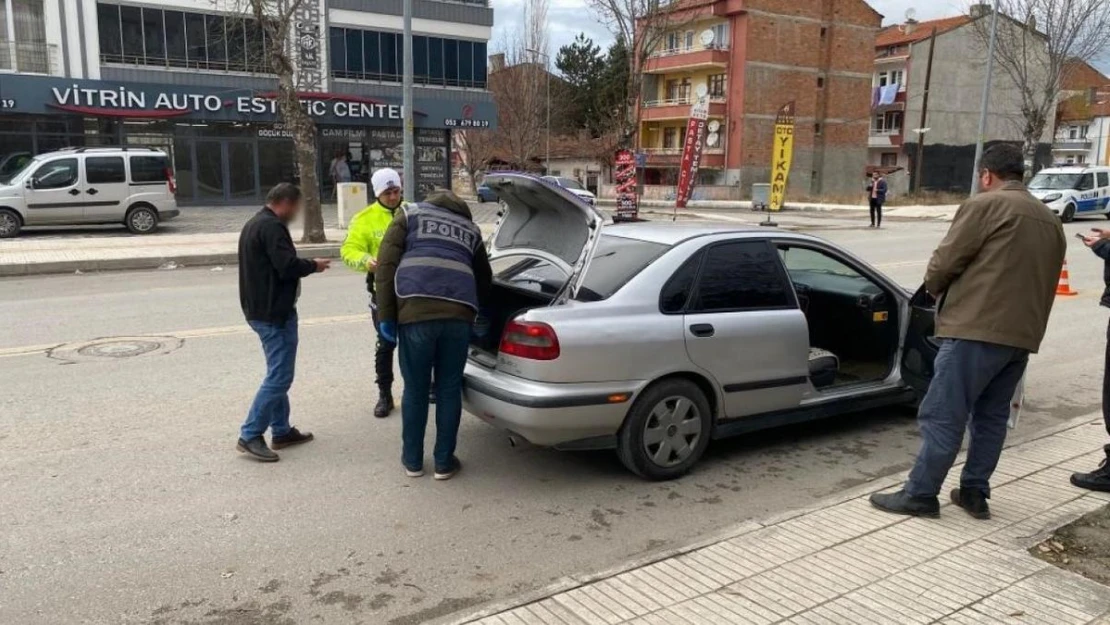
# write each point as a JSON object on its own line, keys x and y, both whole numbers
{"x": 432, "y": 274}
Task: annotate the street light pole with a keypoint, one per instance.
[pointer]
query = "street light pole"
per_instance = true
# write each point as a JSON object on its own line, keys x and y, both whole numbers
{"x": 406, "y": 108}
{"x": 986, "y": 100}
{"x": 547, "y": 71}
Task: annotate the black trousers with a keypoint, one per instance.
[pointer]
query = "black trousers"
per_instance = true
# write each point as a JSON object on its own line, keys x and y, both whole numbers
{"x": 383, "y": 352}
{"x": 876, "y": 212}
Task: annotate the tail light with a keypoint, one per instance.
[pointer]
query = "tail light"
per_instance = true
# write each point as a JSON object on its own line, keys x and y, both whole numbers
{"x": 170, "y": 182}
{"x": 531, "y": 340}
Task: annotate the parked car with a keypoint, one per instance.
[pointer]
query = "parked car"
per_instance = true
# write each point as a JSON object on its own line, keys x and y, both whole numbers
{"x": 486, "y": 194}
{"x": 574, "y": 187}
{"x": 654, "y": 338}
{"x": 125, "y": 185}
{"x": 1073, "y": 191}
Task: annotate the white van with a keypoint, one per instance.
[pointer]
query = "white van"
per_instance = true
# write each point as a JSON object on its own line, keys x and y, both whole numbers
{"x": 1073, "y": 191}
{"x": 126, "y": 185}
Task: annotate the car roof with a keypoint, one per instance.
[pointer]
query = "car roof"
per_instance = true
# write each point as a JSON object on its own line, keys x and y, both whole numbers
{"x": 1072, "y": 169}
{"x": 670, "y": 233}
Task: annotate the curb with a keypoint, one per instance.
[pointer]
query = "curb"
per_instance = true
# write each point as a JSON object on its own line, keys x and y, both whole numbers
{"x": 183, "y": 260}
{"x": 573, "y": 581}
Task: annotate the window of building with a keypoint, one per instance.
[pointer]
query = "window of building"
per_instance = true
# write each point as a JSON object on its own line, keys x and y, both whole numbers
{"x": 817, "y": 129}
{"x": 1078, "y": 131}
{"x": 720, "y": 36}
{"x": 670, "y": 137}
{"x": 371, "y": 55}
{"x": 741, "y": 275}
{"x": 889, "y": 159}
{"x": 891, "y": 77}
{"x": 167, "y": 38}
{"x": 820, "y": 82}
{"x": 672, "y": 42}
{"x": 887, "y": 123}
{"x": 717, "y": 85}
{"x": 824, "y": 31}
{"x": 689, "y": 39}
{"x": 104, "y": 170}
{"x": 31, "y": 52}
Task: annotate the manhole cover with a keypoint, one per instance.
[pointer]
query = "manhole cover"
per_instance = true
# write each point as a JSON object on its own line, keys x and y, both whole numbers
{"x": 115, "y": 348}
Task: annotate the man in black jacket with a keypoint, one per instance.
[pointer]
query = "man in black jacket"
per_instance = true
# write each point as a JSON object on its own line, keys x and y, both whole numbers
{"x": 1099, "y": 479}
{"x": 269, "y": 283}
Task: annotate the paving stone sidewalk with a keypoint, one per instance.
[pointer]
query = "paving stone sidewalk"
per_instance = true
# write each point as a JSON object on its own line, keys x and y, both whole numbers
{"x": 843, "y": 562}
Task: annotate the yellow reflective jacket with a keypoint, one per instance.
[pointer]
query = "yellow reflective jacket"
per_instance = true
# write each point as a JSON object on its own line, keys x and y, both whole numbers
{"x": 364, "y": 236}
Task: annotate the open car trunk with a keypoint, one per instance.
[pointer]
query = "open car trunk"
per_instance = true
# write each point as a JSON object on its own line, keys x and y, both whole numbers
{"x": 505, "y": 304}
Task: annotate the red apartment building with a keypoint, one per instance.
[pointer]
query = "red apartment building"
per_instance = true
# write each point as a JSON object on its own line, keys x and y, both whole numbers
{"x": 753, "y": 56}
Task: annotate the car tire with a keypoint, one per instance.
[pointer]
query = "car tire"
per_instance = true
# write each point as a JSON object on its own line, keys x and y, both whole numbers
{"x": 141, "y": 219}
{"x": 1069, "y": 214}
{"x": 666, "y": 431}
{"x": 10, "y": 223}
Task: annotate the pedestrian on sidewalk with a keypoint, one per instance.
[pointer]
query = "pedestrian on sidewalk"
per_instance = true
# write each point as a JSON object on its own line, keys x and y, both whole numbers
{"x": 994, "y": 276}
{"x": 1099, "y": 479}
{"x": 360, "y": 252}
{"x": 340, "y": 170}
{"x": 876, "y": 196}
{"x": 270, "y": 275}
{"x": 432, "y": 274}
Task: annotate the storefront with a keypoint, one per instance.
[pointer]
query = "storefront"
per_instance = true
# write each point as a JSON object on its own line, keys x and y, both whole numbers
{"x": 228, "y": 146}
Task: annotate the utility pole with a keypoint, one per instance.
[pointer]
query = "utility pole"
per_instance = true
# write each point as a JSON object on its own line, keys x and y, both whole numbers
{"x": 986, "y": 100}
{"x": 407, "y": 108}
{"x": 921, "y": 129}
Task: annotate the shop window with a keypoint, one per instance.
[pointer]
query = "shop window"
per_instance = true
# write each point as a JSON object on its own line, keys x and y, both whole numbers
{"x": 104, "y": 170}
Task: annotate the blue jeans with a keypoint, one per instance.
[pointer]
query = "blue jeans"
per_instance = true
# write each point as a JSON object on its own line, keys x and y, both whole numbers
{"x": 271, "y": 405}
{"x": 972, "y": 380}
{"x": 440, "y": 346}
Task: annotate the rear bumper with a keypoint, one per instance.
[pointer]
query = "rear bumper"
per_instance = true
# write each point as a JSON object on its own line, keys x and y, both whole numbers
{"x": 551, "y": 415}
{"x": 169, "y": 213}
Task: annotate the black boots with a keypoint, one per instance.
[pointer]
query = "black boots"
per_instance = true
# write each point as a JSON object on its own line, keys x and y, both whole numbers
{"x": 974, "y": 502}
{"x": 902, "y": 503}
{"x": 1099, "y": 479}
{"x": 294, "y": 437}
{"x": 385, "y": 403}
{"x": 257, "y": 449}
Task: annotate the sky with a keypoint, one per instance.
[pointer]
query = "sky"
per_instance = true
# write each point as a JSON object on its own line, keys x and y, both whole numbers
{"x": 569, "y": 17}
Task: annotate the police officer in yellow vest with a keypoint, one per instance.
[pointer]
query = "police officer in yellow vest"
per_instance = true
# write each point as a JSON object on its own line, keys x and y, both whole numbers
{"x": 360, "y": 253}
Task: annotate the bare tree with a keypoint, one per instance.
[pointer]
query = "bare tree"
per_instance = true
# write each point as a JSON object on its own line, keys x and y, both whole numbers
{"x": 1037, "y": 41}
{"x": 475, "y": 149}
{"x": 642, "y": 27}
{"x": 293, "y": 54}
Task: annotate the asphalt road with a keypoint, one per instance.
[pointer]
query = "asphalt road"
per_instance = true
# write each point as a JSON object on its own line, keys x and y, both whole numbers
{"x": 122, "y": 499}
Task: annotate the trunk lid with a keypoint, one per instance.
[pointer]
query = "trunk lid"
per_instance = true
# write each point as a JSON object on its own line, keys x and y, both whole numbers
{"x": 545, "y": 220}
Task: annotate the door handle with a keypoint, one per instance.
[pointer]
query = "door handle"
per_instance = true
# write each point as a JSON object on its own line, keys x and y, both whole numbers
{"x": 92, "y": 191}
{"x": 702, "y": 330}
{"x": 74, "y": 192}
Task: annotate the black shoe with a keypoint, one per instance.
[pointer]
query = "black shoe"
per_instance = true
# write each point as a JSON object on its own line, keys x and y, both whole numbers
{"x": 294, "y": 437}
{"x": 257, "y": 449}
{"x": 384, "y": 406}
{"x": 448, "y": 472}
{"x": 1099, "y": 479}
{"x": 973, "y": 501}
{"x": 901, "y": 503}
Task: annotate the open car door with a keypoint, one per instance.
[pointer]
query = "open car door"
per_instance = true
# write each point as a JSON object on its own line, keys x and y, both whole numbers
{"x": 920, "y": 347}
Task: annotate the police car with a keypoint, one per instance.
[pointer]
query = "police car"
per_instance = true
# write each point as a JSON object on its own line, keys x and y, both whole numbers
{"x": 1073, "y": 191}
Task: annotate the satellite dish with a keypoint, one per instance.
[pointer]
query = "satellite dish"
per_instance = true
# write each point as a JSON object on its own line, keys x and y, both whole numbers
{"x": 702, "y": 91}
{"x": 911, "y": 14}
{"x": 712, "y": 139}
{"x": 714, "y": 125}
{"x": 707, "y": 37}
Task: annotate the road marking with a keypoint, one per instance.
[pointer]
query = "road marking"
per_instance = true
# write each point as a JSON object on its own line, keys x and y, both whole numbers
{"x": 197, "y": 333}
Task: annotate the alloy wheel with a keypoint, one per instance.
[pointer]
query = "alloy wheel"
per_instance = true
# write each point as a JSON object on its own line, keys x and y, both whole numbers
{"x": 672, "y": 431}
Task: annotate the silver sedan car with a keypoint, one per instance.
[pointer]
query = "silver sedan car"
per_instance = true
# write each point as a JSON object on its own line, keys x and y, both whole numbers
{"x": 654, "y": 338}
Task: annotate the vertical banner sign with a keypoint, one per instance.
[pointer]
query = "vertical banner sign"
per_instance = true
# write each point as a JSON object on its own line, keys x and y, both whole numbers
{"x": 624, "y": 169}
{"x": 783, "y": 155}
{"x": 691, "y": 151}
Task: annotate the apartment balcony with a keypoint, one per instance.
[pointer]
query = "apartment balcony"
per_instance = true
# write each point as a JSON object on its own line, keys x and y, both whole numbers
{"x": 29, "y": 57}
{"x": 712, "y": 158}
{"x": 679, "y": 108}
{"x": 687, "y": 58}
{"x": 885, "y": 138}
{"x": 1072, "y": 145}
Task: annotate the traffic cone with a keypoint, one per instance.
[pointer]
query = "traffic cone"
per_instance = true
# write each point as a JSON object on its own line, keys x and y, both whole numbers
{"x": 1063, "y": 287}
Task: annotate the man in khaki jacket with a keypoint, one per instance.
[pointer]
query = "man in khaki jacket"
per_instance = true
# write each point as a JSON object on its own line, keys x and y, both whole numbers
{"x": 994, "y": 276}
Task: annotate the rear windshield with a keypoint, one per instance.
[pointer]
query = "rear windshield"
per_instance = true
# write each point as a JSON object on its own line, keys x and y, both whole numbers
{"x": 616, "y": 261}
{"x": 149, "y": 169}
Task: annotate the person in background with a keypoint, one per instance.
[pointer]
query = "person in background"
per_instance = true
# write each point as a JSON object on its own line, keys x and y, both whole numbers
{"x": 340, "y": 170}
{"x": 360, "y": 252}
{"x": 876, "y": 197}
{"x": 995, "y": 276}
{"x": 432, "y": 274}
{"x": 269, "y": 284}
{"x": 1099, "y": 479}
